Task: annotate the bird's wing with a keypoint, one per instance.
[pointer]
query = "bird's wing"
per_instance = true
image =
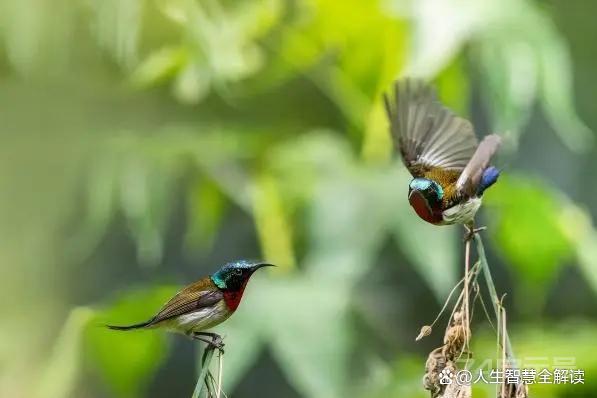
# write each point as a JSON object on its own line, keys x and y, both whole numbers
{"x": 199, "y": 295}
{"x": 469, "y": 179}
{"x": 426, "y": 133}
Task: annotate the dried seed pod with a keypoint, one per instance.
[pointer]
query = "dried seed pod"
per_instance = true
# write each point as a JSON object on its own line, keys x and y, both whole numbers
{"x": 456, "y": 337}
{"x": 425, "y": 331}
{"x": 457, "y": 391}
{"x": 522, "y": 391}
{"x": 436, "y": 362}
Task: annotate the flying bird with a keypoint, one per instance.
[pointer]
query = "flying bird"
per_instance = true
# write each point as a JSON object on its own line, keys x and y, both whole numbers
{"x": 450, "y": 169}
{"x": 203, "y": 304}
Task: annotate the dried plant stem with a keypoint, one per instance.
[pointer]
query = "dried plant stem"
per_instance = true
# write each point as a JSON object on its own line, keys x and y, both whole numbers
{"x": 206, "y": 379}
{"x": 427, "y": 329}
{"x": 495, "y": 300}
{"x": 467, "y": 330}
{"x": 443, "y": 360}
{"x": 220, "y": 368}
{"x": 202, "y": 379}
{"x": 503, "y": 345}
{"x": 507, "y": 353}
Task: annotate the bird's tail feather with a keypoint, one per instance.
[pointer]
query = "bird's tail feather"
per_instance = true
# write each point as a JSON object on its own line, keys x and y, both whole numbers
{"x": 131, "y": 327}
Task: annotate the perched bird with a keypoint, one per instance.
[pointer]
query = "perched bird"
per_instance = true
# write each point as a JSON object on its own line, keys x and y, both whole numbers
{"x": 203, "y": 304}
{"x": 451, "y": 171}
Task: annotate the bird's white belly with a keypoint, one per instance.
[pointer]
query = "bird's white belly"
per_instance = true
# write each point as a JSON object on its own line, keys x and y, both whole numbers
{"x": 201, "y": 319}
{"x": 462, "y": 213}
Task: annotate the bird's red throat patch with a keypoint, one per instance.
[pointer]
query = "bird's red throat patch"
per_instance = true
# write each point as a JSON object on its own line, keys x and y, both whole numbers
{"x": 419, "y": 203}
{"x": 232, "y": 298}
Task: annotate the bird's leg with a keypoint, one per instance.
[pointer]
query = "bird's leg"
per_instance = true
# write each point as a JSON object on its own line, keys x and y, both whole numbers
{"x": 215, "y": 340}
{"x": 471, "y": 231}
{"x": 205, "y": 340}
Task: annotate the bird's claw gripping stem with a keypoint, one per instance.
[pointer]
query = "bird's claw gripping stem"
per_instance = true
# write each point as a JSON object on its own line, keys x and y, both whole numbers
{"x": 218, "y": 343}
{"x": 213, "y": 340}
{"x": 471, "y": 231}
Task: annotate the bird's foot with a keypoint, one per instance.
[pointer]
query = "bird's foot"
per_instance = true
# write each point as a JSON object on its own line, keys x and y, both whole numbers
{"x": 471, "y": 232}
{"x": 217, "y": 343}
{"x": 213, "y": 340}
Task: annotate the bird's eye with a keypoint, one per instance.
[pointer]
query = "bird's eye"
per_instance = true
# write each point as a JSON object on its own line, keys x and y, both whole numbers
{"x": 238, "y": 271}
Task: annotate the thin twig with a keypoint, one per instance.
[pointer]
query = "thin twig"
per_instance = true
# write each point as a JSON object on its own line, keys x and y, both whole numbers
{"x": 467, "y": 320}
{"x": 503, "y": 334}
{"x": 209, "y": 384}
{"x": 203, "y": 375}
{"x": 473, "y": 272}
{"x": 206, "y": 378}
{"x": 482, "y": 301}
{"x": 427, "y": 329}
{"x": 447, "y": 302}
{"x": 220, "y": 366}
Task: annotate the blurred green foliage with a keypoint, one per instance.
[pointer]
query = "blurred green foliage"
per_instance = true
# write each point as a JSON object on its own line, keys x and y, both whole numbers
{"x": 537, "y": 250}
{"x": 127, "y": 361}
{"x": 144, "y": 143}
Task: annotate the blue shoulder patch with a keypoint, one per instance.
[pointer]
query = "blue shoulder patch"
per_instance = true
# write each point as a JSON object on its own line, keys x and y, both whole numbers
{"x": 490, "y": 176}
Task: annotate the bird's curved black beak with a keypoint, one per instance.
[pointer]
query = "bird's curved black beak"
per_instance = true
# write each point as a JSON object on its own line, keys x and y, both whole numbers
{"x": 261, "y": 265}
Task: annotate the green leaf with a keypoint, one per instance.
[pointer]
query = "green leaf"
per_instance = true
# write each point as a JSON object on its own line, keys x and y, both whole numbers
{"x": 558, "y": 95}
{"x": 578, "y": 227}
{"x": 145, "y": 194}
{"x": 128, "y": 360}
{"x": 192, "y": 84}
{"x": 208, "y": 24}
{"x": 342, "y": 196}
{"x": 511, "y": 84}
{"x": 205, "y": 207}
{"x": 62, "y": 369}
{"x": 401, "y": 378}
{"x": 440, "y": 30}
{"x": 349, "y": 218}
{"x": 528, "y": 230}
{"x": 117, "y": 28}
{"x": 317, "y": 366}
{"x": 453, "y": 87}
{"x": 352, "y": 71}
{"x": 586, "y": 251}
{"x": 377, "y": 143}
{"x": 100, "y": 203}
{"x": 37, "y": 36}
{"x": 299, "y": 164}
{"x": 272, "y": 223}
{"x": 522, "y": 56}
{"x": 539, "y": 228}
{"x": 159, "y": 66}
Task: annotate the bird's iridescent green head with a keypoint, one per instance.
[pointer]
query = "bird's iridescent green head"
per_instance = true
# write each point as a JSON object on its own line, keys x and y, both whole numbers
{"x": 429, "y": 188}
{"x": 233, "y": 276}
{"x": 425, "y": 196}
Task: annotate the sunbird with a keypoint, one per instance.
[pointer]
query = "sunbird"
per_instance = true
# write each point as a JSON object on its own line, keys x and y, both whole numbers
{"x": 204, "y": 304}
{"x": 450, "y": 169}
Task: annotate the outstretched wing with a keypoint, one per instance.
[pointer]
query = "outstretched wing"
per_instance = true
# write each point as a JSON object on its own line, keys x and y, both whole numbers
{"x": 469, "y": 179}
{"x": 199, "y": 295}
{"x": 426, "y": 133}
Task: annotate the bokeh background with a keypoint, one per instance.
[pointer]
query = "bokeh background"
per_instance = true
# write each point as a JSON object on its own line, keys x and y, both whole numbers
{"x": 143, "y": 143}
